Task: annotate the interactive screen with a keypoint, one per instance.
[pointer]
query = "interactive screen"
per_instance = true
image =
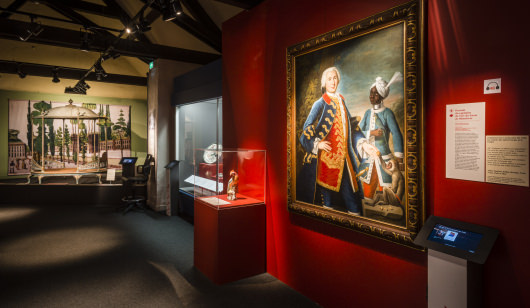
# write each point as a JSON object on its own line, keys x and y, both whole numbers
{"x": 457, "y": 238}
{"x": 461, "y": 239}
{"x": 128, "y": 160}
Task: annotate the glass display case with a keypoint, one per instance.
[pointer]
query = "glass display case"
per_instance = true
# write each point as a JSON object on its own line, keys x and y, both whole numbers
{"x": 229, "y": 177}
{"x": 198, "y": 125}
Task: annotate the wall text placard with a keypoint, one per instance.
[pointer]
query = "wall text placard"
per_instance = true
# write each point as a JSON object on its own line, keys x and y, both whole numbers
{"x": 507, "y": 160}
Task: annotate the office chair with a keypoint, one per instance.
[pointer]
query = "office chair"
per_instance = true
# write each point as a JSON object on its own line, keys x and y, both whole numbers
{"x": 135, "y": 187}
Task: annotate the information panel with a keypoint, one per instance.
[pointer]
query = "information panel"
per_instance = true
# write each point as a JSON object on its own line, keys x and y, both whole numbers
{"x": 465, "y": 132}
{"x": 507, "y": 160}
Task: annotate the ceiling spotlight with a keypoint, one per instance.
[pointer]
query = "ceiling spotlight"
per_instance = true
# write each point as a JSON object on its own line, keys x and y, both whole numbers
{"x": 110, "y": 54}
{"x": 85, "y": 44}
{"x": 128, "y": 30}
{"x": 83, "y": 85}
{"x": 55, "y": 73}
{"x": 20, "y": 73}
{"x": 143, "y": 26}
{"x": 100, "y": 72}
{"x": 33, "y": 30}
{"x": 70, "y": 90}
{"x": 172, "y": 10}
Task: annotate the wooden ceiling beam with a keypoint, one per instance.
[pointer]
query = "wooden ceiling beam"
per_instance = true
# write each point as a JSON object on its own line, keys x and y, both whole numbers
{"x": 126, "y": 19}
{"x": 198, "y": 12}
{"x": 91, "y": 8}
{"x": 42, "y": 70}
{"x": 64, "y": 9}
{"x": 243, "y": 4}
{"x": 194, "y": 28}
{"x": 10, "y": 29}
{"x": 12, "y": 7}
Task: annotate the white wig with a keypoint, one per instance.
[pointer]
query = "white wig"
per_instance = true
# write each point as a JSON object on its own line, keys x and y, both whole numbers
{"x": 325, "y": 73}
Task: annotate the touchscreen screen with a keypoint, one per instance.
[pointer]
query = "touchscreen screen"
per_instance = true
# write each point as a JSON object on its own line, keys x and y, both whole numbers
{"x": 128, "y": 160}
{"x": 457, "y": 238}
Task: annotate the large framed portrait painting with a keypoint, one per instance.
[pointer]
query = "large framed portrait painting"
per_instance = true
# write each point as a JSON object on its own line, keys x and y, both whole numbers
{"x": 354, "y": 130}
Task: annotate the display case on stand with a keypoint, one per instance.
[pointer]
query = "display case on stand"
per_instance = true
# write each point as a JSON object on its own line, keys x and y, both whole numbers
{"x": 229, "y": 218}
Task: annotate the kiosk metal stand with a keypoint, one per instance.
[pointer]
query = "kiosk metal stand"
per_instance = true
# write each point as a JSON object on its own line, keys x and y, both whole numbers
{"x": 453, "y": 281}
{"x": 173, "y": 170}
{"x": 456, "y": 252}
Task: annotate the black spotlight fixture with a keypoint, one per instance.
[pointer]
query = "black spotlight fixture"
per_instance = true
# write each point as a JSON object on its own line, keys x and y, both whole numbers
{"x": 33, "y": 30}
{"x": 143, "y": 26}
{"x": 110, "y": 54}
{"x": 20, "y": 73}
{"x": 55, "y": 74}
{"x": 79, "y": 88}
{"x": 85, "y": 44}
{"x": 100, "y": 72}
{"x": 171, "y": 9}
{"x": 82, "y": 85}
{"x": 74, "y": 90}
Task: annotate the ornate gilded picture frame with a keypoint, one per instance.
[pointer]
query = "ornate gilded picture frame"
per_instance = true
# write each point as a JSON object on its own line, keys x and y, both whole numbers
{"x": 355, "y": 125}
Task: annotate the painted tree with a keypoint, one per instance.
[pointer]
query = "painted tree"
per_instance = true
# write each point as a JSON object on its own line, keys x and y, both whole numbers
{"x": 29, "y": 133}
{"x": 74, "y": 157}
{"x": 129, "y": 124}
{"x": 120, "y": 128}
{"x": 67, "y": 141}
{"x": 59, "y": 141}
{"x": 83, "y": 140}
{"x": 41, "y": 107}
{"x": 51, "y": 136}
{"x": 108, "y": 123}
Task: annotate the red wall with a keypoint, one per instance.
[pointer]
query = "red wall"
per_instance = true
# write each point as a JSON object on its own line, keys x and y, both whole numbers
{"x": 466, "y": 42}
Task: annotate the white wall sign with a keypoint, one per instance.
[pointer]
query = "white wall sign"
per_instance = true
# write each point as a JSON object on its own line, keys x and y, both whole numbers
{"x": 507, "y": 160}
{"x": 492, "y": 86}
{"x": 111, "y": 175}
{"x": 464, "y": 141}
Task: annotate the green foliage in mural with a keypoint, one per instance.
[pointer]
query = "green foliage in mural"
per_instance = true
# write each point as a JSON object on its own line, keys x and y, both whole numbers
{"x": 40, "y": 108}
{"x": 120, "y": 128}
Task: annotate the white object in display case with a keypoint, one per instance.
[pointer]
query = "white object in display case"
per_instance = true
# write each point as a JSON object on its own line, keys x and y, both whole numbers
{"x": 211, "y": 179}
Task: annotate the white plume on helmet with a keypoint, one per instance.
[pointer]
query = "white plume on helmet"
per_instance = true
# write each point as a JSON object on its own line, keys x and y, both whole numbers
{"x": 383, "y": 87}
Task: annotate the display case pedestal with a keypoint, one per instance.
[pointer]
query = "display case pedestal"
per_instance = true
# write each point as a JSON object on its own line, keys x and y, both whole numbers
{"x": 229, "y": 241}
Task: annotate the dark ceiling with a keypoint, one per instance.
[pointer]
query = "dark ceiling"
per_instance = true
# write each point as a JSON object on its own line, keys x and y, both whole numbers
{"x": 187, "y": 31}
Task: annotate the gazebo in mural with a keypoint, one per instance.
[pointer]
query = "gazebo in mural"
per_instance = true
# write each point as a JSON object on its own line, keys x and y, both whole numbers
{"x": 79, "y": 145}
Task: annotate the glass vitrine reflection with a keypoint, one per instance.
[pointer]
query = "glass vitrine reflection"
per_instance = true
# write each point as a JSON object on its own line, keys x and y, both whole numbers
{"x": 198, "y": 125}
{"x": 229, "y": 177}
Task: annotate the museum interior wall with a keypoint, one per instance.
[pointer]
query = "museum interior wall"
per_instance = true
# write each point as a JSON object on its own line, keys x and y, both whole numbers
{"x": 138, "y": 118}
{"x": 466, "y": 42}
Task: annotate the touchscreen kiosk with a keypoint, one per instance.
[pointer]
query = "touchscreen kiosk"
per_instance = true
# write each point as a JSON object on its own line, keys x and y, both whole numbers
{"x": 128, "y": 166}
{"x": 457, "y": 238}
{"x": 456, "y": 250}
{"x": 128, "y": 160}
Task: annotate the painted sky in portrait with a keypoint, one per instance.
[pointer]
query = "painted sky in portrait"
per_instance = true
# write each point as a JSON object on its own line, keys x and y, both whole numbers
{"x": 360, "y": 60}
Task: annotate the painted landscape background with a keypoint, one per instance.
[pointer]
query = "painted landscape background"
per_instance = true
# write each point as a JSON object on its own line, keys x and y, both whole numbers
{"x": 109, "y": 139}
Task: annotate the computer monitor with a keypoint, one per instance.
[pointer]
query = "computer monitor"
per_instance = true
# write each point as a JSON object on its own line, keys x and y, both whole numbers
{"x": 128, "y": 166}
{"x": 128, "y": 160}
{"x": 457, "y": 238}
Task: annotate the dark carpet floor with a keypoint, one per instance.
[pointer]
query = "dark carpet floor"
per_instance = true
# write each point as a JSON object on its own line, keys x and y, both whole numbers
{"x": 89, "y": 256}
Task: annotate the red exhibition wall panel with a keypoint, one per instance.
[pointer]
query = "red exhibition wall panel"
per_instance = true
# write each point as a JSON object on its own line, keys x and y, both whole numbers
{"x": 466, "y": 42}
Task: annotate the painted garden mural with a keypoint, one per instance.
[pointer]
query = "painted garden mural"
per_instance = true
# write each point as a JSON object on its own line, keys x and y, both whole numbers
{"x": 66, "y": 143}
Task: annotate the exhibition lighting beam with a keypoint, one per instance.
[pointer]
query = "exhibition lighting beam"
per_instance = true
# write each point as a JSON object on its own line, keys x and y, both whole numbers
{"x": 171, "y": 9}
{"x": 33, "y": 30}
{"x": 81, "y": 87}
{"x": 85, "y": 44}
{"x": 20, "y": 73}
{"x": 55, "y": 74}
